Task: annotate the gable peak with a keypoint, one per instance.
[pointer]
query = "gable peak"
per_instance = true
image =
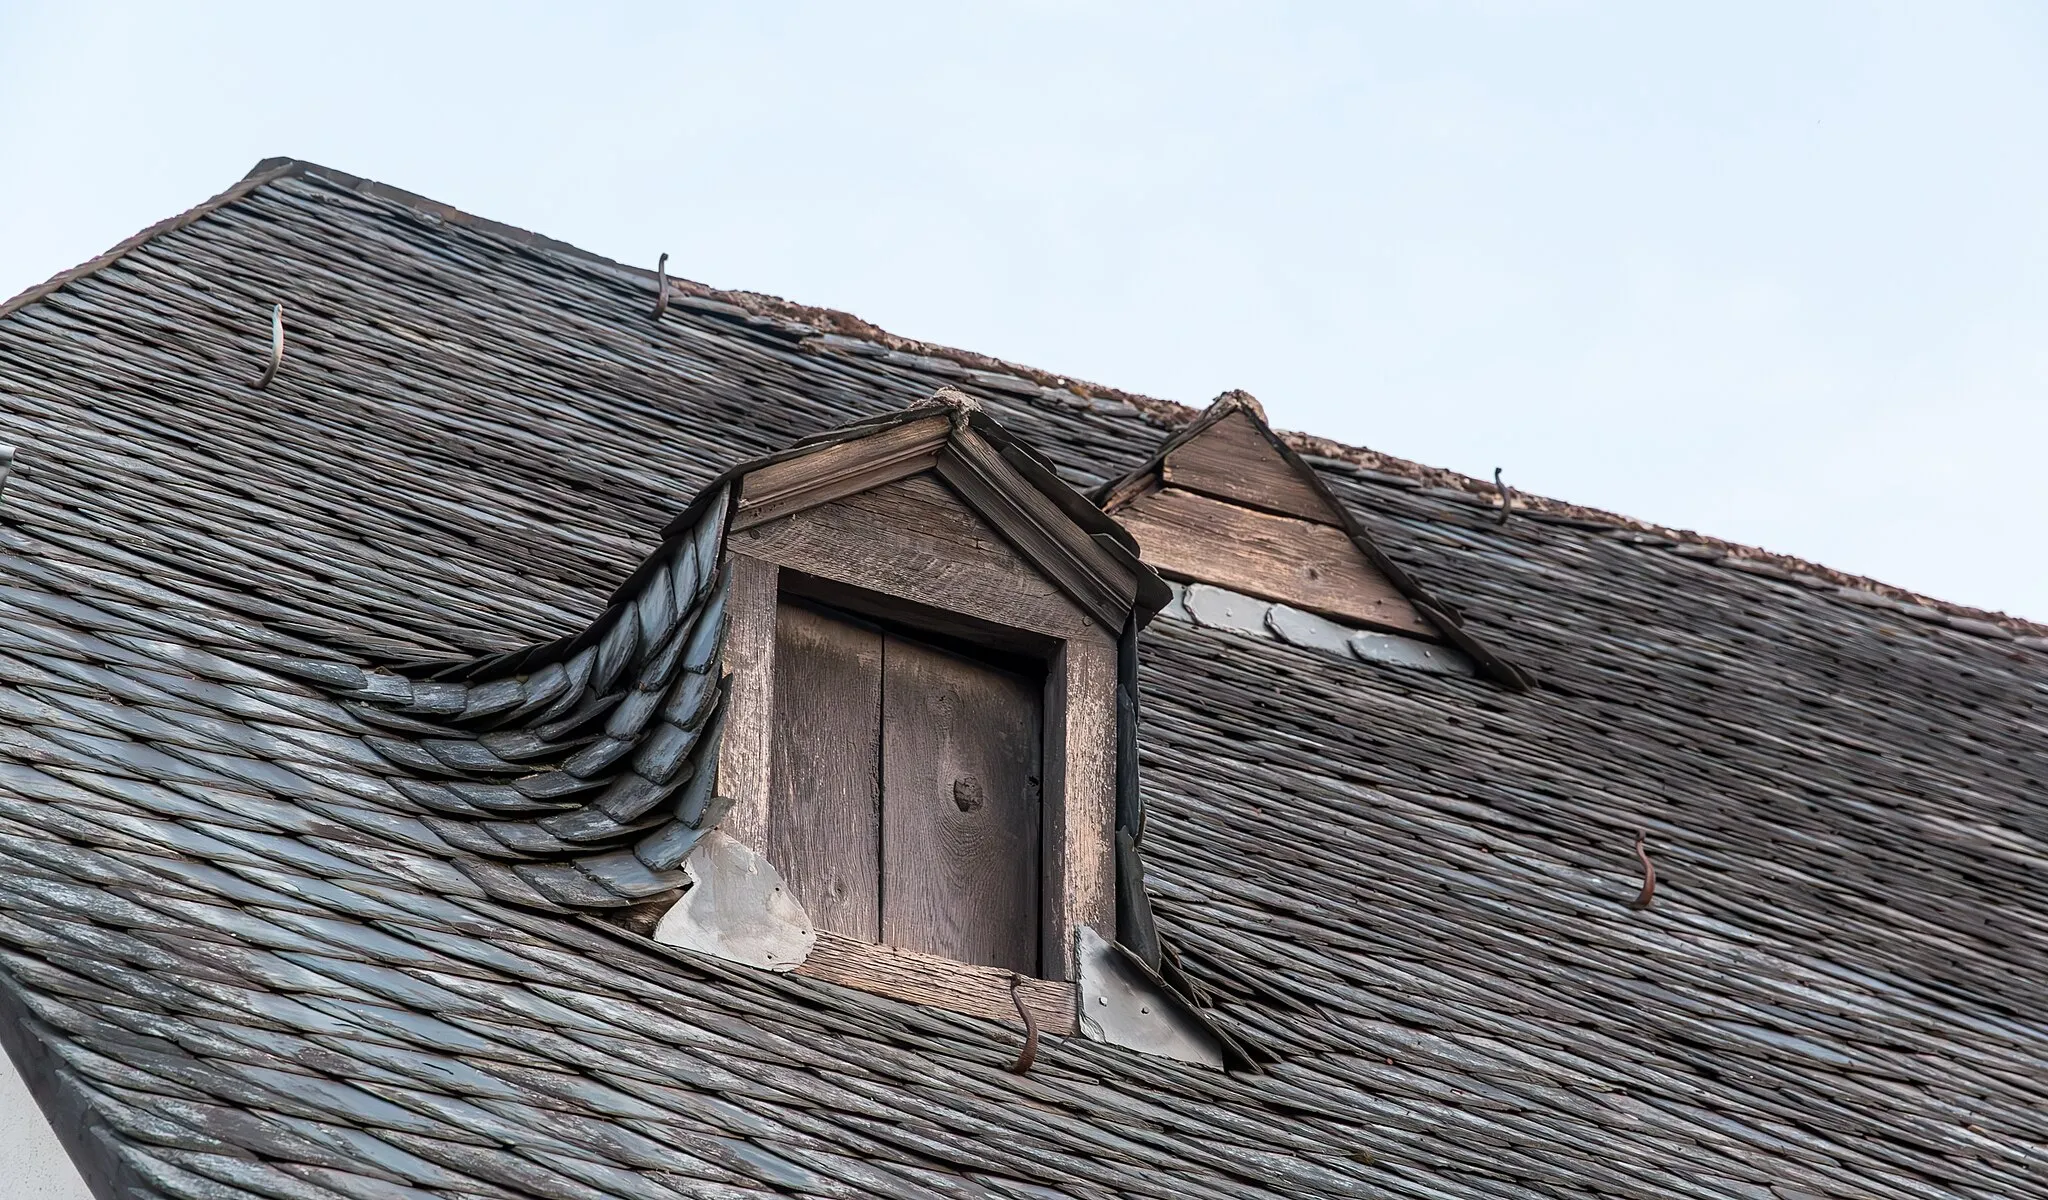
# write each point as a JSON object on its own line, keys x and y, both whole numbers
{"x": 1236, "y": 400}
{"x": 1225, "y": 501}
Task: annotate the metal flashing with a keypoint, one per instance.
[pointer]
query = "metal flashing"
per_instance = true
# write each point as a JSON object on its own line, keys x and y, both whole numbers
{"x": 1213, "y": 607}
{"x": 737, "y": 909}
{"x": 1123, "y": 1004}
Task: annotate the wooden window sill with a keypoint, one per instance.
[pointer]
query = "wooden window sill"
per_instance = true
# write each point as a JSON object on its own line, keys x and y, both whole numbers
{"x": 938, "y": 982}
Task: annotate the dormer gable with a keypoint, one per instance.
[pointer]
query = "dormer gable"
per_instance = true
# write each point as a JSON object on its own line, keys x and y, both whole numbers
{"x": 1227, "y": 502}
{"x": 922, "y": 733}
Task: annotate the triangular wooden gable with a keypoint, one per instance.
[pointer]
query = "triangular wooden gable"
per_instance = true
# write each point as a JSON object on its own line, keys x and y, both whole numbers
{"x": 1226, "y": 502}
{"x": 964, "y": 503}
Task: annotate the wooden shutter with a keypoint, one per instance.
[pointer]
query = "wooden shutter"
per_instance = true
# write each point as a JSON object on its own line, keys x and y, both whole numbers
{"x": 825, "y": 768}
{"x": 905, "y": 791}
{"x": 960, "y": 825}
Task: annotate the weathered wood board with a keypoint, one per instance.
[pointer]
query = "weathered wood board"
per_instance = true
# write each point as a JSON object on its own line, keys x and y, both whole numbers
{"x": 1308, "y": 565}
{"x": 1080, "y": 796}
{"x": 749, "y": 664}
{"x": 792, "y": 485}
{"x": 1232, "y": 460}
{"x": 960, "y": 809}
{"x": 954, "y": 986}
{"x": 825, "y": 791}
{"x": 914, "y": 538}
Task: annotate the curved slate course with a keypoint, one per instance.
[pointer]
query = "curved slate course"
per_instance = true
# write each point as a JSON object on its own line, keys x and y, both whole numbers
{"x": 261, "y": 937}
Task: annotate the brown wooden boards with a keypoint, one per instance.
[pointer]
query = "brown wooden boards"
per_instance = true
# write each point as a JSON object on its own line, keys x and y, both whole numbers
{"x": 748, "y": 661}
{"x": 916, "y": 539}
{"x": 924, "y": 979}
{"x": 960, "y": 809}
{"x": 1232, "y": 460}
{"x": 905, "y": 792}
{"x": 1224, "y": 502}
{"x": 1311, "y": 566}
{"x": 794, "y": 484}
{"x": 826, "y": 768}
{"x": 1100, "y": 578}
{"x": 1080, "y": 794}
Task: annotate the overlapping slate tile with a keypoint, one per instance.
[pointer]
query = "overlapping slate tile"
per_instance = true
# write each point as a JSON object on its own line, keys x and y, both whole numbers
{"x": 234, "y": 916}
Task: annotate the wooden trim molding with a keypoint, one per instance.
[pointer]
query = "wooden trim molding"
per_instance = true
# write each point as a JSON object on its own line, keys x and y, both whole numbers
{"x": 1035, "y": 525}
{"x": 1079, "y": 812}
{"x": 749, "y": 668}
{"x": 792, "y": 485}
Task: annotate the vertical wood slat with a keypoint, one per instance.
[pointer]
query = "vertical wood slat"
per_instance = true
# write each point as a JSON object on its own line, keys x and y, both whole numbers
{"x": 749, "y": 664}
{"x": 961, "y": 748}
{"x": 1079, "y": 811}
{"x": 825, "y": 783}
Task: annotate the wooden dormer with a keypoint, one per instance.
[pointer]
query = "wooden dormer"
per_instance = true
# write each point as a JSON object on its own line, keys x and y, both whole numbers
{"x": 921, "y": 732}
{"x": 1226, "y": 502}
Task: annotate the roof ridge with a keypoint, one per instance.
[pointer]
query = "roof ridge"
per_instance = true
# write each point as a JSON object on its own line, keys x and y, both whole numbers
{"x": 1484, "y": 493}
{"x": 1168, "y": 415}
{"x": 263, "y": 172}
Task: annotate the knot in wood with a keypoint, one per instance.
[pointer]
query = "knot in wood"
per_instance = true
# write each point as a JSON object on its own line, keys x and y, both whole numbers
{"x": 967, "y": 794}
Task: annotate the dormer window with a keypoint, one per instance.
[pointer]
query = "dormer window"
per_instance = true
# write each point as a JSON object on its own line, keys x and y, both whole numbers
{"x": 921, "y": 730}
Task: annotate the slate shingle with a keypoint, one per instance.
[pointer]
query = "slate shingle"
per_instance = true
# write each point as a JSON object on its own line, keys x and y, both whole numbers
{"x": 227, "y": 926}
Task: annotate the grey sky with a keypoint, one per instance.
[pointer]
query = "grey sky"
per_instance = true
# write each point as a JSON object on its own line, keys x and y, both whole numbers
{"x": 1774, "y": 272}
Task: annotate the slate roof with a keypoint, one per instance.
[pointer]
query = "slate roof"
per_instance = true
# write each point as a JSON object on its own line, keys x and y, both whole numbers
{"x": 234, "y": 960}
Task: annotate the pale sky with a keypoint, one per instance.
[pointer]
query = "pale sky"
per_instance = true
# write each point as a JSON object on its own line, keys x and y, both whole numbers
{"x": 1772, "y": 271}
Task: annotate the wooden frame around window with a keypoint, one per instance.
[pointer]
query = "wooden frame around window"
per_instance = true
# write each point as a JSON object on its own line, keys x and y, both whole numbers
{"x": 848, "y": 525}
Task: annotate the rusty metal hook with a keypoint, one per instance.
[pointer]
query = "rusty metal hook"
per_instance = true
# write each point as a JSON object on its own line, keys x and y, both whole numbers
{"x": 661, "y": 287}
{"x": 1642, "y": 901}
{"x": 1506, "y": 497}
{"x": 1030, "y": 1052}
{"x": 276, "y": 348}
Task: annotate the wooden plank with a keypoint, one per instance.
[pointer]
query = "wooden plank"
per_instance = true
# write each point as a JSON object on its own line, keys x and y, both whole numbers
{"x": 1129, "y": 488}
{"x": 1232, "y": 460}
{"x": 961, "y": 747}
{"x": 749, "y": 664}
{"x": 916, "y": 539}
{"x": 1048, "y": 538}
{"x": 794, "y": 484}
{"x": 826, "y": 784}
{"x": 934, "y": 624}
{"x": 1080, "y": 801}
{"x": 976, "y": 991}
{"x": 1311, "y": 566}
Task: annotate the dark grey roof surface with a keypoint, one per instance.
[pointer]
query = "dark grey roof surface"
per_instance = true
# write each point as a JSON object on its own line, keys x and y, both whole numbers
{"x": 235, "y": 960}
